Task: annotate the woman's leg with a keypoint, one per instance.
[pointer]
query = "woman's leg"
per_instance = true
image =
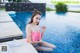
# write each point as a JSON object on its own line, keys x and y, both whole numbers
{"x": 46, "y": 44}
{"x": 40, "y": 48}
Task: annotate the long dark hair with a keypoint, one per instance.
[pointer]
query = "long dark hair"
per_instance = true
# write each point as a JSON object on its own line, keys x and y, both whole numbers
{"x": 35, "y": 12}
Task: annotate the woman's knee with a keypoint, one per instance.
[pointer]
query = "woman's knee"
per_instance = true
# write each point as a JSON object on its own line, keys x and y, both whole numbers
{"x": 48, "y": 44}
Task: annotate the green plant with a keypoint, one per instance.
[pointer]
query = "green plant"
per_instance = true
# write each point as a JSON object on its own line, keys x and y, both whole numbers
{"x": 49, "y": 9}
{"x": 2, "y": 8}
{"x": 61, "y": 7}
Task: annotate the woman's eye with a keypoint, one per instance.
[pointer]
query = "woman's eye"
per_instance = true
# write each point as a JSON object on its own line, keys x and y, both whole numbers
{"x": 38, "y": 18}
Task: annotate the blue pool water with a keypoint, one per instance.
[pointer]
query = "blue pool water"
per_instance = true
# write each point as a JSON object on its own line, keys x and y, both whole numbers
{"x": 63, "y": 30}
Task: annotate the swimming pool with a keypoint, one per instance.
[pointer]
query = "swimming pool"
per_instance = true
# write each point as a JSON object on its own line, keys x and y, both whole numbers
{"x": 63, "y": 30}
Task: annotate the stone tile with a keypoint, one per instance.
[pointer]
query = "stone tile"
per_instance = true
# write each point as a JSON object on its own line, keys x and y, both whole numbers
{"x": 9, "y": 29}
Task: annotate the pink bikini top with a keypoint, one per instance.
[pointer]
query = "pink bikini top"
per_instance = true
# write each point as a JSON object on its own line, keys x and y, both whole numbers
{"x": 36, "y": 36}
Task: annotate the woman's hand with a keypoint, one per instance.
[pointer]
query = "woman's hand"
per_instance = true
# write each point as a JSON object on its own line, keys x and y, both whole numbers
{"x": 43, "y": 29}
{"x": 39, "y": 41}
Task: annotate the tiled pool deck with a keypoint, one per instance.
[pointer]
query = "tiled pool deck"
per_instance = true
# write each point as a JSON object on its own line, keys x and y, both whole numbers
{"x": 8, "y": 28}
{"x": 19, "y": 46}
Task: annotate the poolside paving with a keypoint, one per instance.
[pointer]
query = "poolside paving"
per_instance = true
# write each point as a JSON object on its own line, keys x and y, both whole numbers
{"x": 4, "y": 17}
{"x": 8, "y": 27}
{"x": 7, "y": 19}
{"x": 19, "y": 46}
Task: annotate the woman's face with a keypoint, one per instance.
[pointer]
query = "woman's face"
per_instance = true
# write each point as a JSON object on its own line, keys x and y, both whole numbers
{"x": 36, "y": 19}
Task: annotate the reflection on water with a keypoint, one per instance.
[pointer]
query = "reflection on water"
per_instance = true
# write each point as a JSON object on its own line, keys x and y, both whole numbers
{"x": 62, "y": 30}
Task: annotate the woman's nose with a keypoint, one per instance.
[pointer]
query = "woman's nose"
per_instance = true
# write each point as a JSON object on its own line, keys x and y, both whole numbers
{"x": 38, "y": 20}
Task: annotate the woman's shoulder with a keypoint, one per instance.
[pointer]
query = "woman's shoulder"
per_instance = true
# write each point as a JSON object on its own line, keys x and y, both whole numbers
{"x": 28, "y": 26}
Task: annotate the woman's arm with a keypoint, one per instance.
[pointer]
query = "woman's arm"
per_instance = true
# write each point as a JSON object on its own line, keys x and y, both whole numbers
{"x": 43, "y": 30}
{"x": 28, "y": 32}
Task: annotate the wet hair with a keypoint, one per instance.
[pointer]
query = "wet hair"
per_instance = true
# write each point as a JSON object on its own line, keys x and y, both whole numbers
{"x": 35, "y": 12}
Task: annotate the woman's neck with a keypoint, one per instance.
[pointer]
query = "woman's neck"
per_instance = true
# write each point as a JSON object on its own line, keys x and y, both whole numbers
{"x": 34, "y": 24}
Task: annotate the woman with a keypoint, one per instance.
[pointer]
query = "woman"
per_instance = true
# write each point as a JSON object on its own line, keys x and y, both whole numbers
{"x": 35, "y": 33}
